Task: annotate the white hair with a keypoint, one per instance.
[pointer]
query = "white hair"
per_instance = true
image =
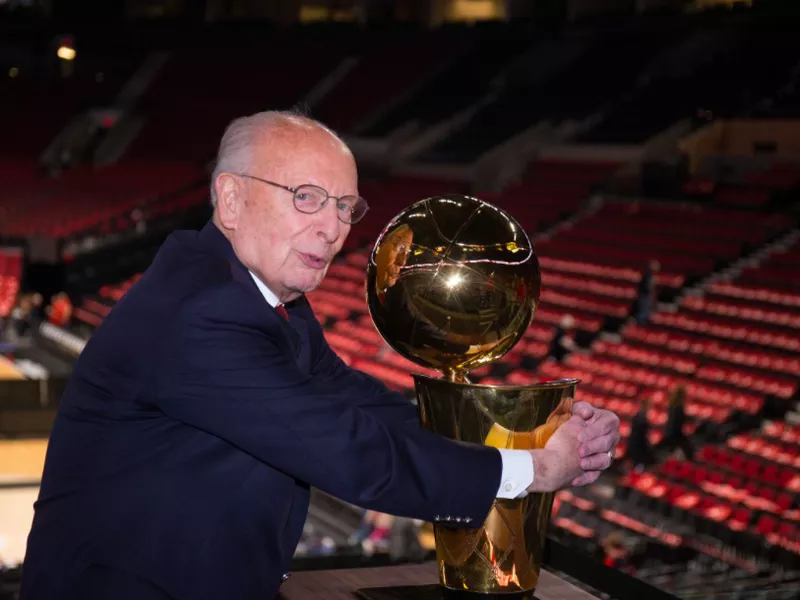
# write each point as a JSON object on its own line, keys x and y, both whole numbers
{"x": 235, "y": 153}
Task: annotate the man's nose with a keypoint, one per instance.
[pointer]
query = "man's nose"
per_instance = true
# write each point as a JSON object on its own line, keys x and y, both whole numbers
{"x": 328, "y": 223}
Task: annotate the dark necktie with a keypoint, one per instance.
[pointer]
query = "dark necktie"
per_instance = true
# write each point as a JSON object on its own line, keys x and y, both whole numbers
{"x": 282, "y": 311}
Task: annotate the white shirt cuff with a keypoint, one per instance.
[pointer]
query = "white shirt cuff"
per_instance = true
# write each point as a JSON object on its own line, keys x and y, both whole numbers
{"x": 517, "y": 474}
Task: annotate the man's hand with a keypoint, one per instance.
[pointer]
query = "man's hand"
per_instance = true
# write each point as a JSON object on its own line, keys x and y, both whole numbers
{"x": 558, "y": 463}
{"x": 598, "y": 441}
{"x": 578, "y": 451}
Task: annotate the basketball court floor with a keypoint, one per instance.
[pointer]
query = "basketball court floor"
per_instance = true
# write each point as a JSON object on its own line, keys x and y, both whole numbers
{"x": 21, "y": 463}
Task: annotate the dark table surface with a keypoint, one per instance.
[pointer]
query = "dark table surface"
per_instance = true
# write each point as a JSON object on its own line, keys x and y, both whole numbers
{"x": 341, "y": 584}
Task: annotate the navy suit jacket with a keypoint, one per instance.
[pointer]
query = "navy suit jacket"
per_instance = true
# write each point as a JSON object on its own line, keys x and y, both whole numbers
{"x": 195, "y": 421}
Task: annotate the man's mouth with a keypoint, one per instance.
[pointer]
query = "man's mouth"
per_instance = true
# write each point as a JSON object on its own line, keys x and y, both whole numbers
{"x": 313, "y": 261}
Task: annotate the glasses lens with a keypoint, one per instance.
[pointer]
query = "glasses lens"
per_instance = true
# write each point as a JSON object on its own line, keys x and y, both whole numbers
{"x": 309, "y": 198}
{"x": 352, "y": 208}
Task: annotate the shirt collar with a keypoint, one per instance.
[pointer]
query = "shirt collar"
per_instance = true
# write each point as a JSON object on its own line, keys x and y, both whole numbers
{"x": 265, "y": 291}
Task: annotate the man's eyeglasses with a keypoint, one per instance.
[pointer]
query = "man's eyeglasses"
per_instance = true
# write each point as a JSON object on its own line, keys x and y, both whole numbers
{"x": 311, "y": 198}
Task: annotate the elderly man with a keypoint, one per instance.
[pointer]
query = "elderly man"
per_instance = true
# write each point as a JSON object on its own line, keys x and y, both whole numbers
{"x": 207, "y": 404}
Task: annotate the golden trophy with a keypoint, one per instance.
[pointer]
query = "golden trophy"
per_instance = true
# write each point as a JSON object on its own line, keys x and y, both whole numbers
{"x": 452, "y": 284}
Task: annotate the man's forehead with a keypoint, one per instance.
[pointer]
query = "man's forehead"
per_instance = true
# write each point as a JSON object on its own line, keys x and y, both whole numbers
{"x": 308, "y": 163}
{"x": 294, "y": 139}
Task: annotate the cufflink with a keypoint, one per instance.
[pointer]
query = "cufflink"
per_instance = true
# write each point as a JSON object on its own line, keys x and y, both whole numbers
{"x": 509, "y": 485}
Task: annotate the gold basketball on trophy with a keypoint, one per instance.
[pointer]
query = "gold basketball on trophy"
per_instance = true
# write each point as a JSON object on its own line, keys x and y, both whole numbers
{"x": 452, "y": 284}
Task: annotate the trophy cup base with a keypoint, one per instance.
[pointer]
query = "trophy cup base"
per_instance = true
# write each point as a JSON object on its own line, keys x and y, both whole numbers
{"x": 434, "y": 591}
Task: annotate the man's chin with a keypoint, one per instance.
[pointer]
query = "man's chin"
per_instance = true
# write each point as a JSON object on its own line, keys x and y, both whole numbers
{"x": 307, "y": 286}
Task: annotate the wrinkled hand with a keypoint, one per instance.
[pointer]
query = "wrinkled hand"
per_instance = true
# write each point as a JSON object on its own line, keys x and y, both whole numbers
{"x": 598, "y": 441}
{"x": 558, "y": 464}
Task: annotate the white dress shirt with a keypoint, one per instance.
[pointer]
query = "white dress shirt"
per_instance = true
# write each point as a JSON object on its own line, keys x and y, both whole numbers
{"x": 517, "y": 473}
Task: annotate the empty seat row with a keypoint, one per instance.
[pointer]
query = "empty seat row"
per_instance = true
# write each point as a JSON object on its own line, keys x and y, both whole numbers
{"x": 560, "y": 281}
{"x": 781, "y": 430}
{"x": 347, "y": 301}
{"x": 782, "y": 386}
{"x": 564, "y": 248}
{"x": 694, "y": 222}
{"x": 642, "y": 383}
{"x": 554, "y": 315}
{"x": 778, "y": 277}
{"x": 729, "y": 329}
{"x": 749, "y": 530}
{"x": 591, "y": 268}
{"x": 770, "y": 451}
{"x": 776, "y": 317}
{"x": 723, "y": 351}
{"x": 389, "y": 65}
{"x": 652, "y": 238}
{"x": 648, "y": 356}
{"x": 753, "y": 196}
{"x": 640, "y": 375}
{"x": 84, "y": 199}
{"x": 755, "y": 293}
{"x": 753, "y": 470}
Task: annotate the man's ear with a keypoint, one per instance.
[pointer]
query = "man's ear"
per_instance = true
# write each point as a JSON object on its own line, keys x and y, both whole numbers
{"x": 229, "y": 199}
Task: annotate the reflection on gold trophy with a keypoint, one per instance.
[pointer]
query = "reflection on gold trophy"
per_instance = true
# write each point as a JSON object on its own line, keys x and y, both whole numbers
{"x": 452, "y": 284}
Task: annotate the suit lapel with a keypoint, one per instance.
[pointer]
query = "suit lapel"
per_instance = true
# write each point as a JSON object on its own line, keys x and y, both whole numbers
{"x": 299, "y": 326}
{"x": 211, "y": 237}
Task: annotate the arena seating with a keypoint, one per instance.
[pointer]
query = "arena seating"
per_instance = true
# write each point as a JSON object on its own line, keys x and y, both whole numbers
{"x": 388, "y": 65}
{"x": 721, "y": 371}
{"x": 758, "y": 308}
{"x": 551, "y": 190}
{"x": 97, "y": 78}
{"x": 464, "y": 80}
{"x": 10, "y": 278}
{"x": 744, "y": 493}
{"x": 761, "y": 188}
{"x": 185, "y": 115}
{"x": 573, "y": 92}
{"x": 726, "y": 83}
{"x": 87, "y": 199}
{"x": 694, "y": 528}
{"x": 629, "y": 235}
{"x": 547, "y": 192}
{"x": 667, "y": 552}
{"x": 93, "y": 310}
{"x": 775, "y": 276}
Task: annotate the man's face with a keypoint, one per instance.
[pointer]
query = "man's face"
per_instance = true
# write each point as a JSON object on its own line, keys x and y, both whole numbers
{"x": 398, "y": 255}
{"x": 288, "y": 250}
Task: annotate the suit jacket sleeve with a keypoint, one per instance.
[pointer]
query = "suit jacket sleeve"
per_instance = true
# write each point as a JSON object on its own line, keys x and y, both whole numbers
{"x": 363, "y": 390}
{"x": 225, "y": 370}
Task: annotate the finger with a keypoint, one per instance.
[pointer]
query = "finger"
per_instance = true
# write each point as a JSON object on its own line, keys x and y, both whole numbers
{"x": 599, "y": 445}
{"x": 583, "y": 410}
{"x": 586, "y": 478}
{"x": 603, "y": 423}
{"x": 578, "y": 422}
{"x": 596, "y": 462}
